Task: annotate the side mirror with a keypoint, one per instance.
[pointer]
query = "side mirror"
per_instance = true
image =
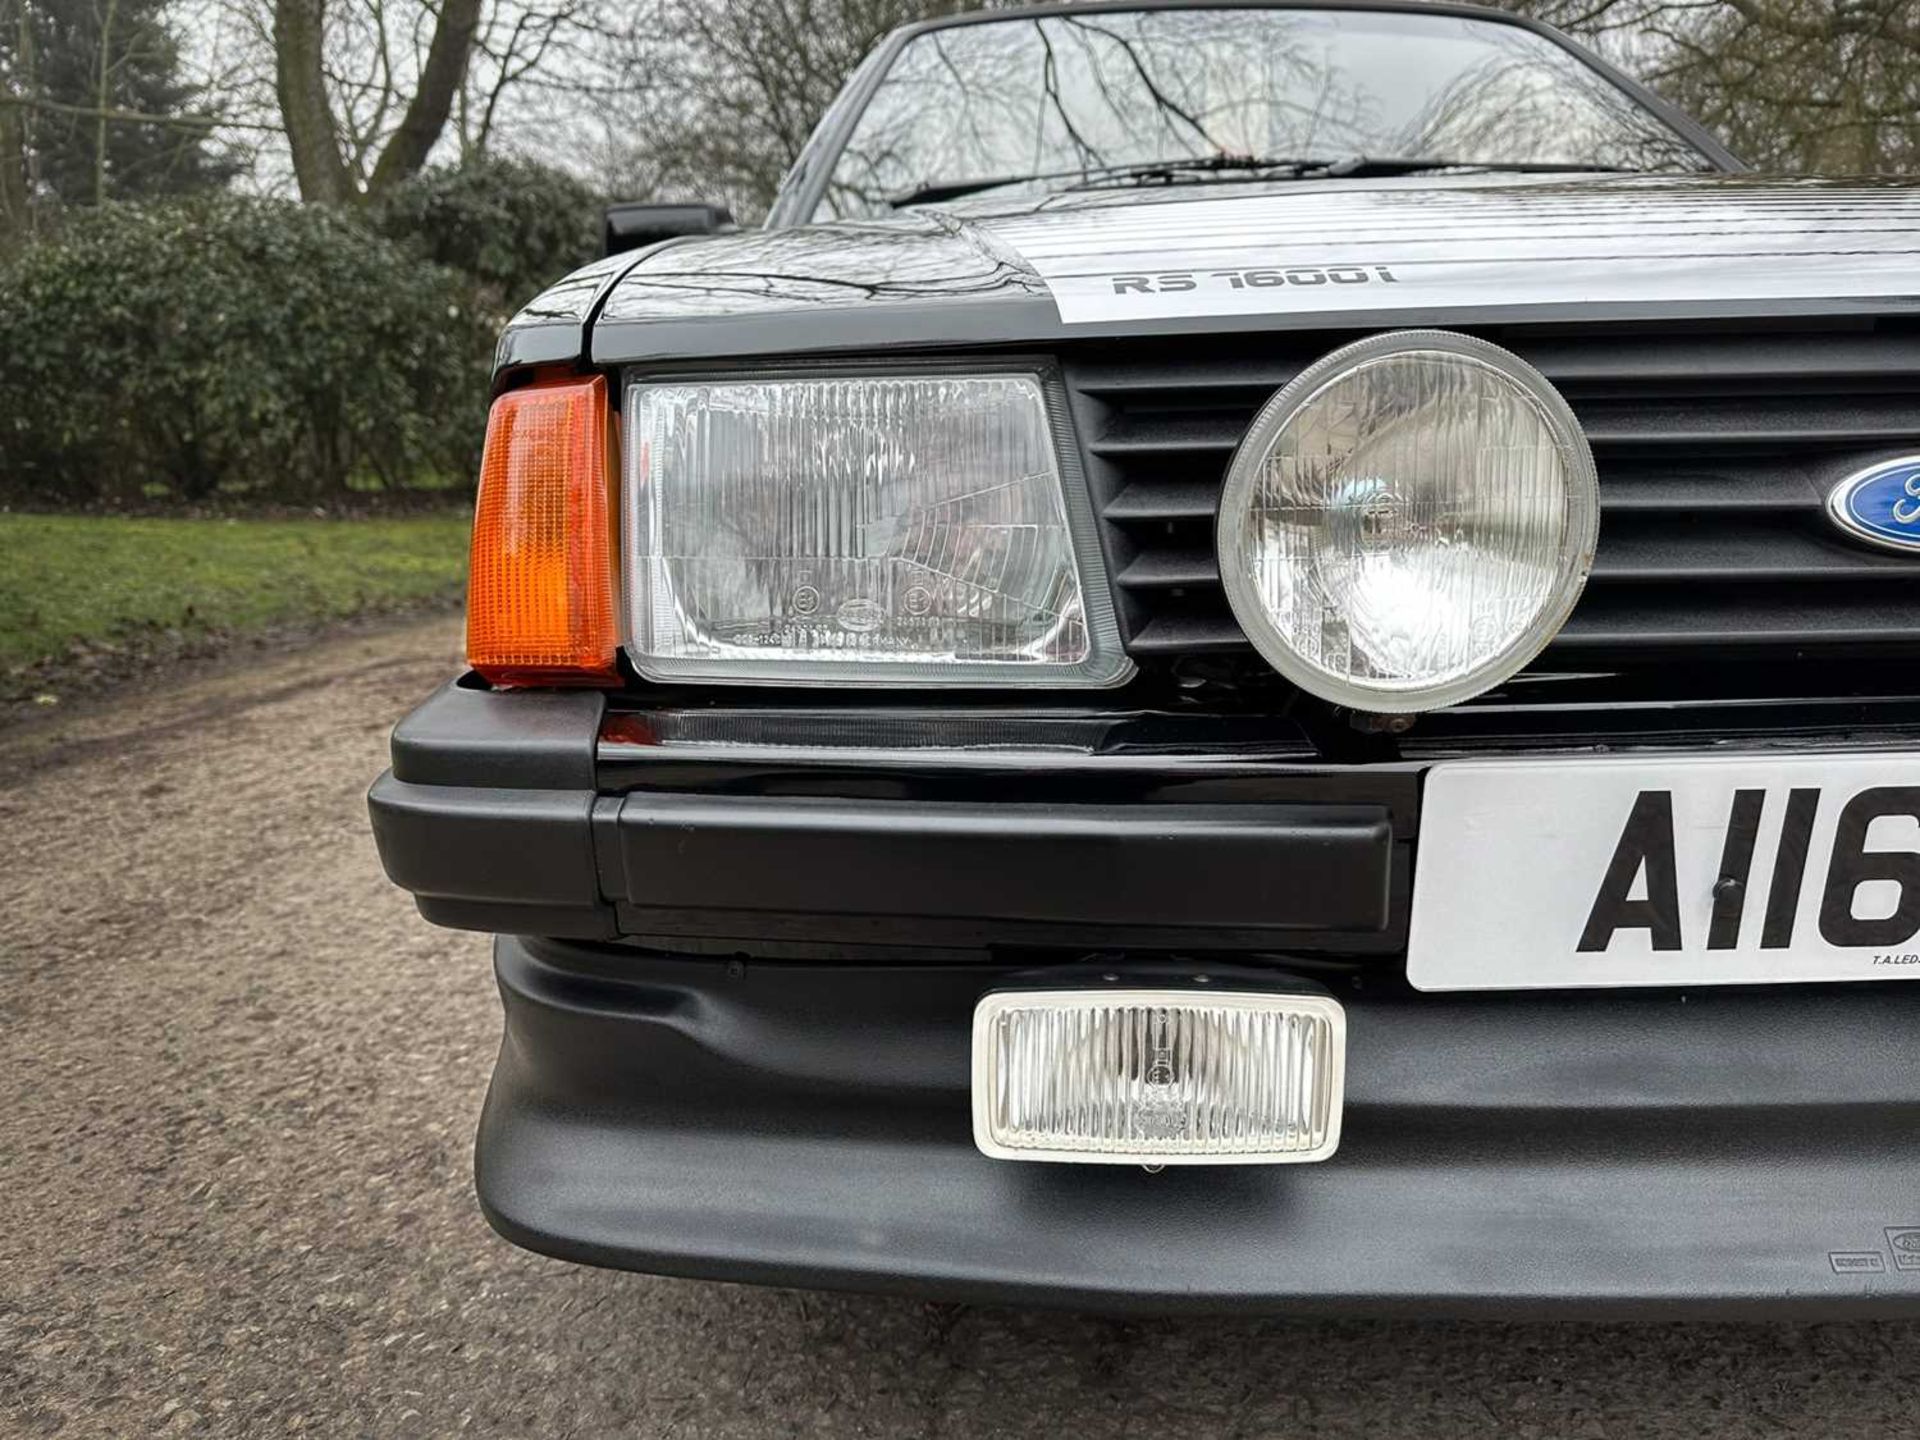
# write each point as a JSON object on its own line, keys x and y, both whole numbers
{"x": 632, "y": 224}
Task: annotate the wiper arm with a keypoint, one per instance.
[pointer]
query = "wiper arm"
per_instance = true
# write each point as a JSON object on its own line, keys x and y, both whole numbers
{"x": 934, "y": 191}
{"x": 1364, "y": 165}
{"x": 1287, "y": 167}
{"x": 1172, "y": 169}
{"x": 1253, "y": 167}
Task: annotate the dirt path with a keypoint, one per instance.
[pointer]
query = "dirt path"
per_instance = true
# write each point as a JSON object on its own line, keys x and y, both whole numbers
{"x": 240, "y": 1082}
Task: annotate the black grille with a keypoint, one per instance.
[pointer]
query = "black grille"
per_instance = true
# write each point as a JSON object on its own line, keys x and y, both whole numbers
{"x": 1715, "y": 452}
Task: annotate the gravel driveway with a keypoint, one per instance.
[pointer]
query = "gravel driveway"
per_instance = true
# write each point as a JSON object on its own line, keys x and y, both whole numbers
{"x": 241, "y": 1078}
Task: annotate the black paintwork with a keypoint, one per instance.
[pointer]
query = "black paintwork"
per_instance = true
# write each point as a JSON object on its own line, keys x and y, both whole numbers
{"x": 1468, "y": 251}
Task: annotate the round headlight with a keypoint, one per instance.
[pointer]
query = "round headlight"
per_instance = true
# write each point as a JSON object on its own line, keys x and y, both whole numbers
{"x": 1409, "y": 522}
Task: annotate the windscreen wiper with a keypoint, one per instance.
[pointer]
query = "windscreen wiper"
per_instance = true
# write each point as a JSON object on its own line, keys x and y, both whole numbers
{"x": 934, "y": 191}
{"x": 1365, "y": 165}
{"x": 1259, "y": 167}
{"x": 1175, "y": 169}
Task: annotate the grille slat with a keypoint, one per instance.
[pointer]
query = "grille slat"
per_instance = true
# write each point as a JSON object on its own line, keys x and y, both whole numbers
{"x": 1655, "y": 486}
{"x": 1627, "y": 491}
{"x": 1579, "y": 362}
{"x": 1196, "y": 498}
{"x": 1161, "y": 569}
{"x": 1726, "y": 421}
{"x": 1573, "y": 362}
{"x": 1163, "y": 433}
{"x": 1742, "y": 553}
{"x": 1714, "y": 424}
{"x": 1682, "y": 621}
{"x": 1199, "y": 634}
{"x": 1715, "y": 451}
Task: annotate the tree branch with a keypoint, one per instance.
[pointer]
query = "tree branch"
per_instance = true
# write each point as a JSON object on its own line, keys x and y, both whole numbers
{"x": 440, "y": 77}
{"x": 117, "y": 116}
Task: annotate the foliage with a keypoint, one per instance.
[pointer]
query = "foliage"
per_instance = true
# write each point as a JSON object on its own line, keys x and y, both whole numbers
{"x": 513, "y": 226}
{"x": 108, "y": 582}
{"x": 736, "y": 88}
{"x": 1800, "y": 86}
{"x": 336, "y": 158}
{"x": 73, "y": 68}
{"x": 248, "y": 347}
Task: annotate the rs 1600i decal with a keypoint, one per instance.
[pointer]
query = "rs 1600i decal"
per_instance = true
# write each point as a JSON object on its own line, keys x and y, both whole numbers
{"x": 1173, "y": 282}
{"x": 1473, "y": 245}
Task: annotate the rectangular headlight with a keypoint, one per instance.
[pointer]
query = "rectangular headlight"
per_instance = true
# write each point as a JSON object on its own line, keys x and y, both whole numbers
{"x": 860, "y": 530}
{"x": 1158, "y": 1077}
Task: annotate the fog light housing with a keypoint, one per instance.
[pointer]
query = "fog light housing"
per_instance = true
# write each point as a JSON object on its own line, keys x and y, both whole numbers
{"x": 1158, "y": 1077}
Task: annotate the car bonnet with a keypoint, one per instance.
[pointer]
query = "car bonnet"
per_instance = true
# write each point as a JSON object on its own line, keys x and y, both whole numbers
{"x": 1463, "y": 249}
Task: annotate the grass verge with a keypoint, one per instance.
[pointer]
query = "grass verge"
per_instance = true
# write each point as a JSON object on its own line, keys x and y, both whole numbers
{"x": 84, "y": 596}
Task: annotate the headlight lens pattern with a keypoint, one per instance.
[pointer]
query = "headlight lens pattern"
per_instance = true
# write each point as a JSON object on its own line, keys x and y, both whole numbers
{"x": 906, "y": 529}
{"x": 1409, "y": 522}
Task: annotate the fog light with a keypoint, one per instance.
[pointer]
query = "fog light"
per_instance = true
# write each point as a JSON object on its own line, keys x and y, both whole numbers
{"x": 1158, "y": 1077}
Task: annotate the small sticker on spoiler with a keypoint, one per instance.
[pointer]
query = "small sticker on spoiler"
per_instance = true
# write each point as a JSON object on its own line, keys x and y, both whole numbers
{"x": 1857, "y": 1262}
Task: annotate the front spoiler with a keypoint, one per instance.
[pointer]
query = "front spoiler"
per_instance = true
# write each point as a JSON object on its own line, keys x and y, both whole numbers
{"x": 1722, "y": 1152}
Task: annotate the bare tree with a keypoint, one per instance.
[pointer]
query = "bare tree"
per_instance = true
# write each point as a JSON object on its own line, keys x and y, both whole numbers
{"x": 545, "y": 46}
{"x": 1794, "y": 85}
{"x": 333, "y": 160}
{"x": 94, "y": 106}
{"x": 299, "y": 48}
{"x": 17, "y": 152}
{"x": 734, "y": 88}
{"x": 716, "y": 98}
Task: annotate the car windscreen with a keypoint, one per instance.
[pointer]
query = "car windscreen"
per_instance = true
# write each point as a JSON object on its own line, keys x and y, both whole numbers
{"x": 1063, "y": 96}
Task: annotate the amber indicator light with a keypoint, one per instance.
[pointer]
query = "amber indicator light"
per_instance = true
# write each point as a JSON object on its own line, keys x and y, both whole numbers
{"x": 540, "y": 585}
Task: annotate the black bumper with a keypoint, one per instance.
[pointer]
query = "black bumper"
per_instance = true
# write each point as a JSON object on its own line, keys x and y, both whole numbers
{"x": 1716, "y": 1153}
{"x": 916, "y": 849}
{"x": 741, "y": 1052}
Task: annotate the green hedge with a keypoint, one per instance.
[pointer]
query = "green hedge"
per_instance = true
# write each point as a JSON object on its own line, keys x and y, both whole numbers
{"x": 233, "y": 347}
{"x": 512, "y": 226}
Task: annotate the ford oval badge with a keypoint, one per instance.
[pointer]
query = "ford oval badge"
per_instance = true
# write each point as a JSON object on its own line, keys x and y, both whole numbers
{"x": 1880, "y": 504}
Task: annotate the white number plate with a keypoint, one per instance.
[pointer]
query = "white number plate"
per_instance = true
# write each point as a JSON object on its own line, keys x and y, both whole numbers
{"x": 1707, "y": 870}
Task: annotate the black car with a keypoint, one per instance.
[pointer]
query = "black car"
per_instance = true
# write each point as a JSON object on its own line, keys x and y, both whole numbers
{"x": 1309, "y": 612}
